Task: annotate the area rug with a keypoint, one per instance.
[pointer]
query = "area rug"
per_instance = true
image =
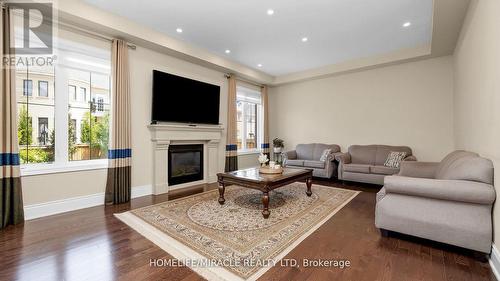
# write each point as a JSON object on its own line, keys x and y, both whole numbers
{"x": 233, "y": 241}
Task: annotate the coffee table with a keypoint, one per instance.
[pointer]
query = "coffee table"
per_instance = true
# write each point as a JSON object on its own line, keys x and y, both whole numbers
{"x": 252, "y": 178}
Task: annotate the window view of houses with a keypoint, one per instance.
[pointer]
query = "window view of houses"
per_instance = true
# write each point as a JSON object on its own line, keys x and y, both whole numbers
{"x": 87, "y": 105}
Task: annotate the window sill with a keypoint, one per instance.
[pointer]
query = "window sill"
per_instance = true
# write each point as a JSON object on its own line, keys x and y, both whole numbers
{"x": 248, "y": 152}
{"x": 43, "y": 169}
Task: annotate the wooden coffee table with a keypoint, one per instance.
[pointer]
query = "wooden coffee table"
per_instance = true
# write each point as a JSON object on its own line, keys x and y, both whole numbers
{"x": 251, "y": 178}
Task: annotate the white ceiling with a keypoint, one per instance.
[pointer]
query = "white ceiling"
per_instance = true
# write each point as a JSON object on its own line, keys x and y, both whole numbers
{"x": 337, "y": 30}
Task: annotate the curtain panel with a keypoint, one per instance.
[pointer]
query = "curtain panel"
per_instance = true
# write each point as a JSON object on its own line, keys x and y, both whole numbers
{"x": 118, "y": 186}
{"x": 265, "y": 109}
{"x": 11, "y": 198}
{"x": 231, "y": 137}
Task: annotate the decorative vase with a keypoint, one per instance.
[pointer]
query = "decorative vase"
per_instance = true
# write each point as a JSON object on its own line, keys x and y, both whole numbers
{"x": 277, "y": 149}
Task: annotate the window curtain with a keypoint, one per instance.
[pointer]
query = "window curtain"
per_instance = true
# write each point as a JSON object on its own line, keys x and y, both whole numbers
{"x": 231, "y": 145}
{"x": 11, "y": 198}
{"x": 118, "y": 186}
{"x": 265, "y": 109}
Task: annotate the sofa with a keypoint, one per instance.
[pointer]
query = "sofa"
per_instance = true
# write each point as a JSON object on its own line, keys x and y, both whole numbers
{"x": 308, "y": 156}
{"x": 448, "y": 202}
{"x": 365, "y": 163}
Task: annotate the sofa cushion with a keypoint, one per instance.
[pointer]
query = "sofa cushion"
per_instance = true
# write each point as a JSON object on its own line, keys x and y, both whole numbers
{"x": 293, "y": 162}
{"x": 305, "y": 151}
{"x": 314, "y": 164}
{"x": 470, "y": 168}
{"x": 319, "y": 148}
{"x": 447, "y": 161}
{"x": 383, "y": 170}
{"x": 363, "y": 154}
{"x": 357, "y": 168}
{"x": 383, "y": 152}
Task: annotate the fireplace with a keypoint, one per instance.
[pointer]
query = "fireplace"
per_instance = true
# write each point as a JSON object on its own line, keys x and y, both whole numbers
{"x": 185, "y": 163}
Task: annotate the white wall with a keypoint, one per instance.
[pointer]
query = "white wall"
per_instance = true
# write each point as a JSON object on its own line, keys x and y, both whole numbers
{"x": 45, "y": 188}
{"x": 477, "y": 87}
{"x": 406, "y": 104}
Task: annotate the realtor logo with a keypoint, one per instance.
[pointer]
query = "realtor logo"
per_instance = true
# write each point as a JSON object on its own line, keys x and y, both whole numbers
{"x": 36, "y": 32}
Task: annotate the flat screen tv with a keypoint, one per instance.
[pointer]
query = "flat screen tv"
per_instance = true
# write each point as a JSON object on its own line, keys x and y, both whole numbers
{"x": 183, "y": 100}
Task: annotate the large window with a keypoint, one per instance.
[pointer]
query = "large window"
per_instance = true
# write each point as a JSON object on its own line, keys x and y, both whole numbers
{"x": 249, "y": 119}
{"x": 61, "y": 123}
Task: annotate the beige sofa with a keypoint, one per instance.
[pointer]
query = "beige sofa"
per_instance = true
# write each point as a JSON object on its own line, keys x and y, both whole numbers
{"x": 365, "y": 163}
{"x": 449, "y": 202}
{"x": 308, "y": 156}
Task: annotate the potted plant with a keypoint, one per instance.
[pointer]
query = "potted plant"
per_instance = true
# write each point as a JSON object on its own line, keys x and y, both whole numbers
{"x": 278, "y": 145}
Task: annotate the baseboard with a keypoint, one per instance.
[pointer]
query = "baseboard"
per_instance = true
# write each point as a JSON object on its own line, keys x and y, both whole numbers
{"x": 76, "y": 203}
{"x": 495, "y": 261}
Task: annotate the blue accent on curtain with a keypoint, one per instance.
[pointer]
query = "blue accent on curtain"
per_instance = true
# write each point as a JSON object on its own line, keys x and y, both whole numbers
{"x": 231, "y": 147}
{"x": 264, "y": 145}
{"x": 9, "y": 159}
{"x": 119, "y": 153}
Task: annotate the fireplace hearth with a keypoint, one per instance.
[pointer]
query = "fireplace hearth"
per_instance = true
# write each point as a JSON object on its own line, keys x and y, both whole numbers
{"x": 185, "y": 163}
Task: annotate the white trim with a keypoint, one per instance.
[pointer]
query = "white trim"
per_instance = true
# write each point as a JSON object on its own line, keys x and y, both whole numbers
{"x": 53, "y": 168}
{"x": 76, "y": 203}
{"x": 248, "y": 151}
{"x": 495, "y": 261}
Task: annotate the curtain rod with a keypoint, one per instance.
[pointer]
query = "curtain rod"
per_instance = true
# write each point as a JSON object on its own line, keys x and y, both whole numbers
{"x": 94, "y": 34}
{"x": 244, "y": 80}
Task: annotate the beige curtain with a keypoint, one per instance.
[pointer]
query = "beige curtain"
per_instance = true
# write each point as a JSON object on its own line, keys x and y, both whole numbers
{"x": 265, "y": 109}
{"x": 231, "y": 138}
{"x": 118, "y": 186}
{"x": 11, "y": 199}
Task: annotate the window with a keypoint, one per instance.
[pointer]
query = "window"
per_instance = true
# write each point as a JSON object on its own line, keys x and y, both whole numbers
{"x": 83, "y": 94}
{"x": 43, "y": 88}
{"x": 249, "y": 119}
{"x": 27, "y": 87}
{"x": 64, "y": 126}
{"x": 72, "y": 92}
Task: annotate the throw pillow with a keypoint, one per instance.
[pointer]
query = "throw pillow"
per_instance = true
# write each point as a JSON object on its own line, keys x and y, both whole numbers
{"x": 325, "y": 154}
{"x": 394, "y": 159}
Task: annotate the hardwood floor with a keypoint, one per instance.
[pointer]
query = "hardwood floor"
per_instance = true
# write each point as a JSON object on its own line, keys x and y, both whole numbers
{"x": 91, "y": 244}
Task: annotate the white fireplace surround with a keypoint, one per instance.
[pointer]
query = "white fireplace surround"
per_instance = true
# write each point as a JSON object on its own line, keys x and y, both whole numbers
{"x": 164, "y": 135}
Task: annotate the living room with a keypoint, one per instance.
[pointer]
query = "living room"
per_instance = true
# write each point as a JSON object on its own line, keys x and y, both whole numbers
{"x": 347, "y": 120}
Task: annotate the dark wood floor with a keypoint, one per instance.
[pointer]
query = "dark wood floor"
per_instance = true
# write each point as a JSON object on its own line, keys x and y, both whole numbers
{"x": 91, "y": 244}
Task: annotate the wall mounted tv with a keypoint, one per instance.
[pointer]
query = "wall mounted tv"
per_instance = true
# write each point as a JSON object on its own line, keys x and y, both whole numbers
{"x": 183, "y": 100}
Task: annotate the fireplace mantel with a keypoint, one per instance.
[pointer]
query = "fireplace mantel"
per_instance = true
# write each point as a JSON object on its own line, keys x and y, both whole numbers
{"x": 163, "y": 135}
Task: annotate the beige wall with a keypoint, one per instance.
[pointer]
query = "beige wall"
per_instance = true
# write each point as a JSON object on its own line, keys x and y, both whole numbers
{"x": 406, "y": 104}
{"x": 44, "y": 188}
{"x": 477, "y": 86}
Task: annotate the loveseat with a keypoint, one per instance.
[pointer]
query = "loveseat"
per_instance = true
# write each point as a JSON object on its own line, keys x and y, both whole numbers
{"x": 365, "y": 163}
{"x": 309, "y": 156}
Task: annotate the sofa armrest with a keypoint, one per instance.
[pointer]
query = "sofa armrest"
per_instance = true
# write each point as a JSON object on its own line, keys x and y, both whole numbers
{"x": 410, "y": 158}
{"x": 451, "y": 190}
{"x": 344, "y": 158}
{"x": 416, "y": 169}
{"x": 292, "y": 154}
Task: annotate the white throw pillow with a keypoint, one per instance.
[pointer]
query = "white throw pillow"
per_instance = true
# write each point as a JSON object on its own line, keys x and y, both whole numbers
{"x": 325, "y": 154}
{"x": 394, "y": 159}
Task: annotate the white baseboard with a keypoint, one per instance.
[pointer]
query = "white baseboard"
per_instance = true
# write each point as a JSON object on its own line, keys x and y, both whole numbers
{"x": 75, "y": 203}
{"x": 495, "y": 261}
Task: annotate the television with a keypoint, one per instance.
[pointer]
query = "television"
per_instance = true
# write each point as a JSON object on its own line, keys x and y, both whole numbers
{"x": 183, "y": 100}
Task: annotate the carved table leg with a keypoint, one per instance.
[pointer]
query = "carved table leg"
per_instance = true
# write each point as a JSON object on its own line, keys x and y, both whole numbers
{"x": 222, "y": 188}
{"x": 309, "y": 183}
{"x": 265, "y": 202}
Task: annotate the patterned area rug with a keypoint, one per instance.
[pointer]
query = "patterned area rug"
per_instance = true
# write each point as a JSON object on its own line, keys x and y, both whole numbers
{"x": 233, "y": 241}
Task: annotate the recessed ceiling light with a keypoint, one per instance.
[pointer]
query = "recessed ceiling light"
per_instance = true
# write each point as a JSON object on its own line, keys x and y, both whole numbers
{"x": 228, "y": 51}
{"x": 179, "y": 30}
{"x": 304, "y": 39}
{"x": 406, "y": 24}
{"x": 259, "y": 65}
{"x": 270, "y": 12}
